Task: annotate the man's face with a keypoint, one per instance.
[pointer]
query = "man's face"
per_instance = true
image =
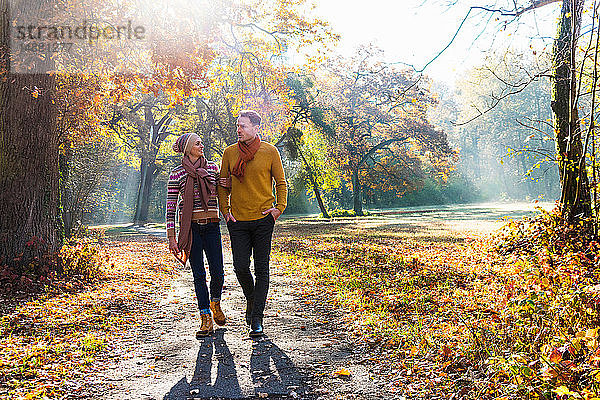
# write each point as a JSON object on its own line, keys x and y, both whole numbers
{"x": 245, "y": 130}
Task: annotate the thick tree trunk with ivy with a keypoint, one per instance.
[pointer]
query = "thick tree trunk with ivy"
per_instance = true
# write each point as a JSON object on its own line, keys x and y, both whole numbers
{"x": 575, "y": 193}
{"x": 29, "y": 201}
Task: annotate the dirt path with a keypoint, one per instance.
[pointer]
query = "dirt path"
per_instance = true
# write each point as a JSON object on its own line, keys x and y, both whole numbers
{"x": 305, "y": 344}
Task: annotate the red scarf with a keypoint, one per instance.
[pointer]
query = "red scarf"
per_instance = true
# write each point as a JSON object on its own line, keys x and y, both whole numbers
{"x": 247, "y": 152}
{"x": 196, "y": 173}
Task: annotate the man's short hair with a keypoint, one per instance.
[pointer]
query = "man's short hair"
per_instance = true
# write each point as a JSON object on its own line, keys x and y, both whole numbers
{"x": 252, "y": 115}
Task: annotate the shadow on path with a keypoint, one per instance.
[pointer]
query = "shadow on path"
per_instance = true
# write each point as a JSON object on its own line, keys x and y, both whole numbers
{"x": 271, "y": 373}
{"x": 201, "y": 386}
{"x": 283, "y": 379}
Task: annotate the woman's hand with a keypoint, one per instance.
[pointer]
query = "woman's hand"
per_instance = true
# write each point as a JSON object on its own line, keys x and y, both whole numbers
{"x": 229, "y": 217}
{"x": 173, "y": 247}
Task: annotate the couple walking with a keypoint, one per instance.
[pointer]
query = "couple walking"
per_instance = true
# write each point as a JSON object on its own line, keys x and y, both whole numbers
{"x": 243, "y": 191}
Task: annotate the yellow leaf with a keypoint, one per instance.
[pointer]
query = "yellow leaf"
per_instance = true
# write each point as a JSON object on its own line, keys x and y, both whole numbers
{"x": 562, "y": 390}
{"x": 414, "y": 350}
{"x": 342, "y": 372}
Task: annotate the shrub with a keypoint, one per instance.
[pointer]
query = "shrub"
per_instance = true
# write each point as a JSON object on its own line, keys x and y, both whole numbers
{"x": 548, "y": 345}
{"x": 546, "y": 233}
{"x": 80, "y": 258}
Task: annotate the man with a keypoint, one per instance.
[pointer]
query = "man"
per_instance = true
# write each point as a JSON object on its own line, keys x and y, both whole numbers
{"x": 246, "y": 202}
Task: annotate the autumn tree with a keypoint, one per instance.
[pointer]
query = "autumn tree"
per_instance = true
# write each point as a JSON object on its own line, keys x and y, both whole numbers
{"x": 250, "y": 71}
{"x": 143, "y": 107}
{"x": 379, "y": 120}
{"x": 306, "y": 114}
{"x": 83, "y": 146}
{"x": 575, "y": 192}
{"x": 89, "y": 167}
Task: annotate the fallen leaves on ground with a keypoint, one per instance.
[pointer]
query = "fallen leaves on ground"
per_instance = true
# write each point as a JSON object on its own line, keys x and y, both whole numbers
{"x": 49, "y": 343}
{"x": 428, "y": 296}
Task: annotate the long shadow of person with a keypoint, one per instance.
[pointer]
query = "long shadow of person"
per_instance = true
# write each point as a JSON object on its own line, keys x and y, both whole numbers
{"x": 226, "y": 384}
{"x": 285, "y": 379}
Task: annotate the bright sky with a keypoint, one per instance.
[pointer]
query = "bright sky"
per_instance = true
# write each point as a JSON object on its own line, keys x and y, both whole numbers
{"x": 412, "y": 32}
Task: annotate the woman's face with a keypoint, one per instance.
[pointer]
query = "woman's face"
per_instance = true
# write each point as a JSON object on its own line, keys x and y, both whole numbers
{"x": 197, "y": 149}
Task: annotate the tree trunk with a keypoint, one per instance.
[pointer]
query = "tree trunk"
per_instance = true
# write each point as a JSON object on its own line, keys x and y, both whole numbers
{"x": 357, "y": 193}
{"x": 151, "y": 136}
{"x": 29, "y": 176}
{"x": 320, "y": 199}
{"x": 575, "y": 193}
{"x": 30, "y": 226}
{"x": 150, "y": 176}
{"x": 313, "y": 181}
{"x": 140, "y": 193}
{"x": 147, "y": 176}
{"x": 66, "y": 194}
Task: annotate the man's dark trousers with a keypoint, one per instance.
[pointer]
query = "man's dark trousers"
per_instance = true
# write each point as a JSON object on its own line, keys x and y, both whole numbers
{"x": 252, "y": 238}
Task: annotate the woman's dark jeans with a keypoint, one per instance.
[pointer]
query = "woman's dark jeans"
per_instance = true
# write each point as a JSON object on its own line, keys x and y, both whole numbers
{"x": 252, "y": 238}
{"x": 207, "y": 238}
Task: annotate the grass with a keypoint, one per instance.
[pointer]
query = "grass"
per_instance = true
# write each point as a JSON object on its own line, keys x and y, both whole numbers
{"x": 125, "y": 229}
{"x": 424, "y": 291}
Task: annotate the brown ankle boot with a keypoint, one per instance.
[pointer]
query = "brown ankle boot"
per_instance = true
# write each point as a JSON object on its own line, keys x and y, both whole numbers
{"x": 219, "y": 317}
{"x": 207, "y": 326}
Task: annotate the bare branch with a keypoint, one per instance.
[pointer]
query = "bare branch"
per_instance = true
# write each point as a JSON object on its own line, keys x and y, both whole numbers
{"x": 515, "y": 12}
{"x": 497, "y": 100}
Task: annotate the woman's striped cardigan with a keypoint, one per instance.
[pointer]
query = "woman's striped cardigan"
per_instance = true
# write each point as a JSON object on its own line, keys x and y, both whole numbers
{"x": 175, "y": 192}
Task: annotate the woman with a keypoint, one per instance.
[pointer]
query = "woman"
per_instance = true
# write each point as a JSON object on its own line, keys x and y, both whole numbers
{"x": 199, "y": 230}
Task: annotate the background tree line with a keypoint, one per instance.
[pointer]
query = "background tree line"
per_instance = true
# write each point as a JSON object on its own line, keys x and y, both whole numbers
{"x": 495, "y": 157}
{"x": 354, "y": 130}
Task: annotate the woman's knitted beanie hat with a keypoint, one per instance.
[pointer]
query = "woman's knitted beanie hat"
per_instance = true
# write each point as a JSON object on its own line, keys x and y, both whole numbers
{"x": 184, "y": 143}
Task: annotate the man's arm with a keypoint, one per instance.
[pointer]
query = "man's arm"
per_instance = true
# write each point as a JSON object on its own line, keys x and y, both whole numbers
{"x": 280, "y": 183}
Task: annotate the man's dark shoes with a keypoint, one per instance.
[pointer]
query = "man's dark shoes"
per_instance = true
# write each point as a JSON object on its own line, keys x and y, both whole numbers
{"x": 256, "y": 329}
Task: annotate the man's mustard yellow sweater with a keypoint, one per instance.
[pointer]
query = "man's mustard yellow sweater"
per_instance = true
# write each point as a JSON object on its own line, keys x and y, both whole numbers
{"x": 254, "y": 194}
